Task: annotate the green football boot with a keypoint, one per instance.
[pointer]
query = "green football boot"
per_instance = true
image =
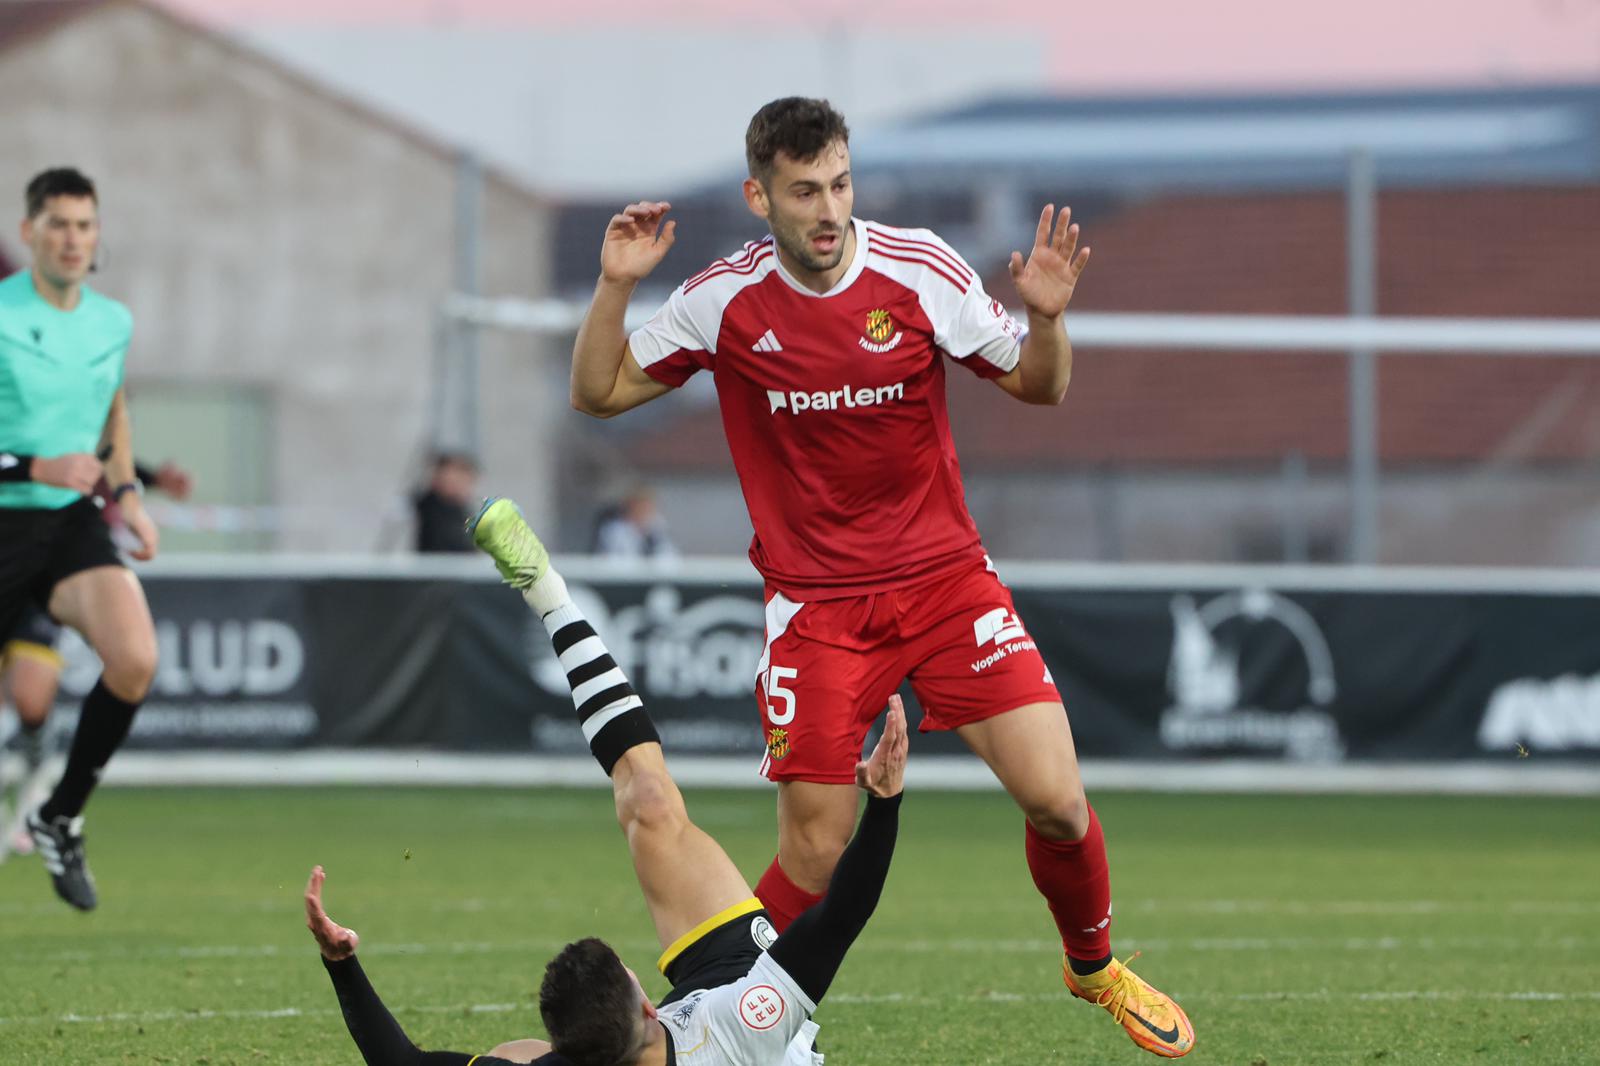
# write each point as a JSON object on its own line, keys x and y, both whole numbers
{"x": 500, "y": 530}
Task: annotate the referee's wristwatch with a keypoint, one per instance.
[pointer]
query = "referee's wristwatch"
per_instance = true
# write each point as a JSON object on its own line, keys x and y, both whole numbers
{"x": 135, "y": 486}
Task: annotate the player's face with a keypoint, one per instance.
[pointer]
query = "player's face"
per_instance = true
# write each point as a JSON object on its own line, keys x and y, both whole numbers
{"x": 455, "y": 480}
{"x": 62, "y": 237}
{"x": 808, "y": 205}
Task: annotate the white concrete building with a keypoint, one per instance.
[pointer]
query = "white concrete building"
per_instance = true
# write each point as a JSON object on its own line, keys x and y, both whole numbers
{"x": 284, "y": 250}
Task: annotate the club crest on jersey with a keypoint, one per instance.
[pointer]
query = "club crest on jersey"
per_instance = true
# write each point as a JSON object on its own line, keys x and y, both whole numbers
{"x": 881, "y": 334}
{"x": 778, "y": 743}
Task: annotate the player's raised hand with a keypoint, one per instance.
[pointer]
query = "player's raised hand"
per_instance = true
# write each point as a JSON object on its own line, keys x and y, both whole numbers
{"x": 1046, "y": 280}
{"x": 884, "y": 772}
{"x": 78, "y": 471}
{"x": 335, "y": 940}
{"x": 636, "y": 240}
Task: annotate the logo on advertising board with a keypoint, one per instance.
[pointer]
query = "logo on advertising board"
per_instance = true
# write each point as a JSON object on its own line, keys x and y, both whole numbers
{"x": 1559, "y": 714}
{"x": 1250, "y": 670}
{"x": 218, "y": 681}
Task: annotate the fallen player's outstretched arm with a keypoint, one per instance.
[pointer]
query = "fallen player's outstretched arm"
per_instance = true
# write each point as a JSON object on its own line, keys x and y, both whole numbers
{"x": 378, "y": 1036}
{"x": 813, "y": 947}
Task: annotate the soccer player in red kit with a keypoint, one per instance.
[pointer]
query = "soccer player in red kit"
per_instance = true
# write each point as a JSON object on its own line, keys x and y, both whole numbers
{"x": 826, "y": 341}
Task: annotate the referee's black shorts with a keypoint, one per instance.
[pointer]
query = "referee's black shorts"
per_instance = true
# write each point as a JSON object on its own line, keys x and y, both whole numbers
{"x": 41, "y": 547}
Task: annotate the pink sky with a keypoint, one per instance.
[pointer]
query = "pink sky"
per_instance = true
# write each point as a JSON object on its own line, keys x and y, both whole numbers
{"x": 1108, "y": 47}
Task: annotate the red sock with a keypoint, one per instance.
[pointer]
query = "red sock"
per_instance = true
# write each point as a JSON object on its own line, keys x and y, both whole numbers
{"x": 783, "y": 899}
{"x": 1075, "y": 881}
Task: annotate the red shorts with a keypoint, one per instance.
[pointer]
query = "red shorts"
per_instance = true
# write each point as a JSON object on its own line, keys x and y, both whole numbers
{"x": 831, "y": 666}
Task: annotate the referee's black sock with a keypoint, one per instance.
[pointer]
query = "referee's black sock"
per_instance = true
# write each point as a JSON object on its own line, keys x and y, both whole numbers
{"x": 611, "y": 713}
{"x": 102, "y": 727}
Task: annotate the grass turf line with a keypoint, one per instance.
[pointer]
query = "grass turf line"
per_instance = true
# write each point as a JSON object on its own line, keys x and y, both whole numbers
{"x": 1297, "y": 930}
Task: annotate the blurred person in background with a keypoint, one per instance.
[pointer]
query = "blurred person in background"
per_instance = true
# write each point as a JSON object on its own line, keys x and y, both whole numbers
{"x": 442, "y": 508}
{"x": 30, "y": 673}
{"x": 633, "y": 528}
{"x": 63, "y": 425}
{"x": 826, "y": 343}
{"x": 30, "y": 676}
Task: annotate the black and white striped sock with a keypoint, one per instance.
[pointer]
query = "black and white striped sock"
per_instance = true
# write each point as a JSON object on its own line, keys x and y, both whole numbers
{"x": 611, "y": 713}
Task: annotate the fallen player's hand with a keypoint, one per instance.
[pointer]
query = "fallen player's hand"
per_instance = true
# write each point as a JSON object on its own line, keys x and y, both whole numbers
{"x": 335, "y": 940}
{"x": 883, "y": 774}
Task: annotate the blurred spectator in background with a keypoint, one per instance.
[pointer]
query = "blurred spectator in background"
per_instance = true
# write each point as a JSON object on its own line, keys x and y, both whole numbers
{"x": 633, "y": 528}
{"x": 442, "y": 509}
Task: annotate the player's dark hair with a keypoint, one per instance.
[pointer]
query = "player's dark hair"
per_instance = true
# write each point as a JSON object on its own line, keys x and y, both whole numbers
{"x": 798, "y": 126}
{"x": 57, "y": 181}
{"x": 590, "y": 1006}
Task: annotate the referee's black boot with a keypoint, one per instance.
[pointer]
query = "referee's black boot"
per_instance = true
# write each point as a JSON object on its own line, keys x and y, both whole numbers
{"x": 59, "y": 842}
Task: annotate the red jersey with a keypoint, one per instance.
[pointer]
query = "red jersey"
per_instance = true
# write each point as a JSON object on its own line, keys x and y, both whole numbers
{"x": 834, "y": 404}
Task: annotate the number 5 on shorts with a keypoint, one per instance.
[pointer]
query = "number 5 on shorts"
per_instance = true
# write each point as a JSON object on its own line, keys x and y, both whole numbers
{"x": 776, "y": 676}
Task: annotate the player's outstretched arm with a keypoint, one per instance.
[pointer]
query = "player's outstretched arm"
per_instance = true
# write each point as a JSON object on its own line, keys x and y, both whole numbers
{"x": 813, "y": 947}
{"x": 606, "y": 378}
{"x": 1046, "y": 281}
{"x": 378, "y": 1036}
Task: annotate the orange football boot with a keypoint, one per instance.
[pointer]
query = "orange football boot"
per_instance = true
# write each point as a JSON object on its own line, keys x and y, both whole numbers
{"x": 1152, "y": 1019}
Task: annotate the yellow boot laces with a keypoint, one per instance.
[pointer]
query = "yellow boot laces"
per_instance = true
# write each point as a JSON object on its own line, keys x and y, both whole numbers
{"x": 1115, "y": 996}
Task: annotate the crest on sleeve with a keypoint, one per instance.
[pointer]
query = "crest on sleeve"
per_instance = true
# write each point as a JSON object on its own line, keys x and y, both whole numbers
{"x": 1008, "y": 325}
{"x": 761, "y": 1007}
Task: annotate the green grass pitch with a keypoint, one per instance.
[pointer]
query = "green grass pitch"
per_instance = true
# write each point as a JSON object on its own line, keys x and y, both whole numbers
{"x": 1296, "y": 930}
